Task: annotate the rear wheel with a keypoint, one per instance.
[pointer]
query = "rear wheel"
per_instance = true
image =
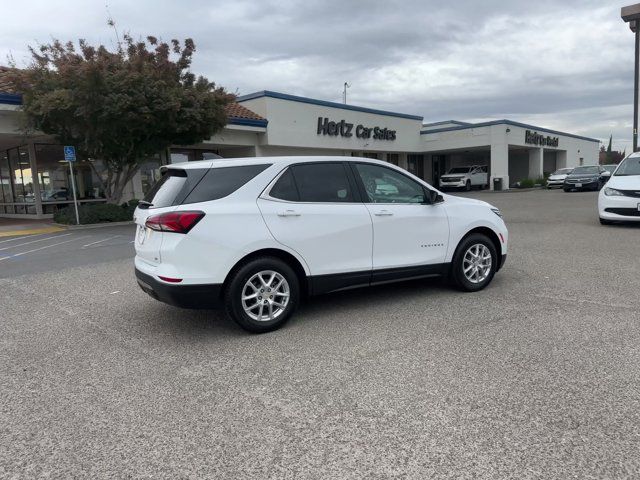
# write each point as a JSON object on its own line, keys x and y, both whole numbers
{"x": 474, "y": 263}
{"x": 262, "y": 294}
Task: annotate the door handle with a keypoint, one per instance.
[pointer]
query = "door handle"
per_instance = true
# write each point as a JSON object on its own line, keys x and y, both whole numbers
{"x": 288, "y": 213}
{"x": 383, "y": 213}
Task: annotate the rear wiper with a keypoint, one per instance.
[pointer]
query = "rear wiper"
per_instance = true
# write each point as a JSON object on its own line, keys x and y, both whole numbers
{"x": 144, "y": 204}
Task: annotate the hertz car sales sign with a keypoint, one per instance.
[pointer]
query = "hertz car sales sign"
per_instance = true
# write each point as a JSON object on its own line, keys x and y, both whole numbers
{"x": 534, "y": 138}
{"x": 345, "y": 129}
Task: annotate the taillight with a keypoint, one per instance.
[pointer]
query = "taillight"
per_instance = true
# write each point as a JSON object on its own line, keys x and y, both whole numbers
{"x": 177, "y": 222}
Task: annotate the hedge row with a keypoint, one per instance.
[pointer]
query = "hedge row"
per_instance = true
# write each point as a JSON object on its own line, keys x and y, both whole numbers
{"x": 96, "y": 213}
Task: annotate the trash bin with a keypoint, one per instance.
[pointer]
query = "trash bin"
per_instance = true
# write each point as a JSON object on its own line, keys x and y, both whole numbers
{"x": 497, "y": 184}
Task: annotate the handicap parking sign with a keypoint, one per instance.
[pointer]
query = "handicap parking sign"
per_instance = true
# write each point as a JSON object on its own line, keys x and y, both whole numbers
{"x": 70, "y": 153}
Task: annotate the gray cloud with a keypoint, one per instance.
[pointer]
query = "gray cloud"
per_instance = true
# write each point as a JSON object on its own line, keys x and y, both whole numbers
{"x": 565, "y": 65}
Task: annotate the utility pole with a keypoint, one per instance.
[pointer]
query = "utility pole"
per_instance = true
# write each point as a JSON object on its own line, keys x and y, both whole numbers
{"x": 631, "y": 15}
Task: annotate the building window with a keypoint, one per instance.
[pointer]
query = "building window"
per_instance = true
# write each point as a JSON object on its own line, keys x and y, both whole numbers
{"x": 581, "y": 161}
{"x": 6, "y": 185}
{"x": 179, "y": 155}
{"x": 54, "y": 178}
{"x": 150, "y": 172}
{"x": 415, "y": 165}
{"x": 370, "y": 155}
{"x": 393, "y": 158}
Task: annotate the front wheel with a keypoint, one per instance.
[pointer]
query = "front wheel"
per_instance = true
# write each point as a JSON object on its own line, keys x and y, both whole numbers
{"x": 474, "y": 263}
{"x": 567, "y": 190}
{"x": 467, "y": 187}
{"x": 605, "y": 222}
{"x": 262, "y": 294}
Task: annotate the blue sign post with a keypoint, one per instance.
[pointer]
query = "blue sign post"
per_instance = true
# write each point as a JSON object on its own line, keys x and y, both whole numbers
{"x": 70, "y": 153}
{"x": 70, "y": 156}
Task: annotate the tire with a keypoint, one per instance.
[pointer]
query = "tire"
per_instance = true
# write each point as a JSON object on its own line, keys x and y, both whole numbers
{"x": 467, "y": 187}
{"x": 460, "y": 262}
{"x": 605, "y": 222}
{"x": 258, "y": 272}
{"x": 567, "y": 190}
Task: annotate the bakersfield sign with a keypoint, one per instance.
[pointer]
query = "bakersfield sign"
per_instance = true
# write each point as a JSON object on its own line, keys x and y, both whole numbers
{"x": 534, "y": 138}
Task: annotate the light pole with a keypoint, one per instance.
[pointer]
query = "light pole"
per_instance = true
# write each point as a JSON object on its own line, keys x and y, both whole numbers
{"x": 631, "y": 15}
{"x": 344, "y": 92}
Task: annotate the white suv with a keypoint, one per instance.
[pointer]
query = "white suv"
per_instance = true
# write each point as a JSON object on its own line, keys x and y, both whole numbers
{"x": 465, "y": 177}
{"x": 261, "y": 233}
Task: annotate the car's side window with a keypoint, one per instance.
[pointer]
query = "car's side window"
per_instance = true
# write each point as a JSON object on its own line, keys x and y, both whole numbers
{"x": 285, "y": 188}
{"x": 322, "y": 183}
{"x": 384, "y": 185}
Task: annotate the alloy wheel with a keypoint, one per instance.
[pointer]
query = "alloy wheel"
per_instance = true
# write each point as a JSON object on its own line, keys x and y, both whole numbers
{"x": 265, "y": 296}
{"x": 476, "y": 263}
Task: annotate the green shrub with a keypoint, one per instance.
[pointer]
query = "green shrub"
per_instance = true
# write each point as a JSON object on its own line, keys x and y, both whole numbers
{"x": 541, "y": 181}
{"x": 95, "y": 213}
{"x": 527, "y": 183}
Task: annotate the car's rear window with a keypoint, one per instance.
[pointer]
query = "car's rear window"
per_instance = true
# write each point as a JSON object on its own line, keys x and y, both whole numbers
{"x": 178, "y": 186}
{"x": 220, "y": 182}
{"x": 174, "y": 185}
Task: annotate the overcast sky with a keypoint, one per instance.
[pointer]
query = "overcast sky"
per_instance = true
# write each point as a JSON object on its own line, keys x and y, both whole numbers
{"x": 566, "y": 65}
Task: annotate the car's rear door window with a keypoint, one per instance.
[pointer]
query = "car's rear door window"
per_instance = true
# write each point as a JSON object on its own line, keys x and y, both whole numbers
{"x": 323, "y": 182}
{"x": 285, "y": 188}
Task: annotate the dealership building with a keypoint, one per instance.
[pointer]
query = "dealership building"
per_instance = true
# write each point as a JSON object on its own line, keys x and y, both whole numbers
{"x": 35, "y": 180}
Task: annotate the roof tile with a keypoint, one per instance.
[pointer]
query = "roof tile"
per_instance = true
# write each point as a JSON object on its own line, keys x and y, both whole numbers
{"x": 235, "y": 110}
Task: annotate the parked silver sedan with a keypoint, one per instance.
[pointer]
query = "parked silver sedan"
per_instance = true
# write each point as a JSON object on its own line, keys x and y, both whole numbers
{"x": 556, "y": 179}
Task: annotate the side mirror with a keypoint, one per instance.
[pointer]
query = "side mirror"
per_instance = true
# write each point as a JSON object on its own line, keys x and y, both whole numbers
{"x": 435, "y": 197}
{"x": 606, "y": 174}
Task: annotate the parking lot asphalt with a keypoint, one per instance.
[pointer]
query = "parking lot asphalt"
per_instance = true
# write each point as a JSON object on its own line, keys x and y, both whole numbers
{"x": 538, "y": 376}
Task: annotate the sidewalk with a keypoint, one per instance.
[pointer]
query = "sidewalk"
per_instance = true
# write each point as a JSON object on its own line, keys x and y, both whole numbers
{"x": 10, "y": 227}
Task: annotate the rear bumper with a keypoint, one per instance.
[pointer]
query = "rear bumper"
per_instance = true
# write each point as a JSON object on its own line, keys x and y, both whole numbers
{"x": 184, "y": 296}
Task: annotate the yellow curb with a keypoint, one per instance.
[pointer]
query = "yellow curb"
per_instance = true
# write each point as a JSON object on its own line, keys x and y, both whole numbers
{"x": 31, "y": 231}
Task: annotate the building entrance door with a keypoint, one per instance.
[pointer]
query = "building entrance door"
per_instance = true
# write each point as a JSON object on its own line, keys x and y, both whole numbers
{"x": 438, "y": 168}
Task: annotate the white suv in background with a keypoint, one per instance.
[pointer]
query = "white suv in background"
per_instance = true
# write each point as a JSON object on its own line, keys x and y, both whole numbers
{"x": 261, "y": 233}
{"x": 465, "y": 177}
{"x": 619, "y": 200}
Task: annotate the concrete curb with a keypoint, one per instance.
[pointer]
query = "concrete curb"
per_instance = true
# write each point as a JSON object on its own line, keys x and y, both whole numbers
{"x": 93, "y": 225}
{"x": 32, "y": 231}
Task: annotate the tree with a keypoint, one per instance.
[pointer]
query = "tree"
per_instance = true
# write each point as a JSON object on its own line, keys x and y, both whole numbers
{"x": 120, "y": 106}
{"x": 609, "y": 156}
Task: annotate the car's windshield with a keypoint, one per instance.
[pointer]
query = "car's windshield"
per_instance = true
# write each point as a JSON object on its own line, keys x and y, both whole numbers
{"x": 581, "y": 170}
{"x": 562, "y": 171}
{"x": 629, "y": 166}
{"x": 460, "y": 170}
{"x": 610, "y": 168}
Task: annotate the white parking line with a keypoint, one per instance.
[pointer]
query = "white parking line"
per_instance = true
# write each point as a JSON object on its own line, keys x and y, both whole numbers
{"x": 100, "y": 241}
{"x": 42, "y": 248}
{"x": 34, "y": 241}
{"x": 20, "y": 238}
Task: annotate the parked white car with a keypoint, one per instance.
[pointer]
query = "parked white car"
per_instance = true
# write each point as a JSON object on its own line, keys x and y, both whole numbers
{"x": 261, "y": 233}
{"x": 465, "y": 177}
{"x": 619, "y": 200}
{"x": 556, "y": 179}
